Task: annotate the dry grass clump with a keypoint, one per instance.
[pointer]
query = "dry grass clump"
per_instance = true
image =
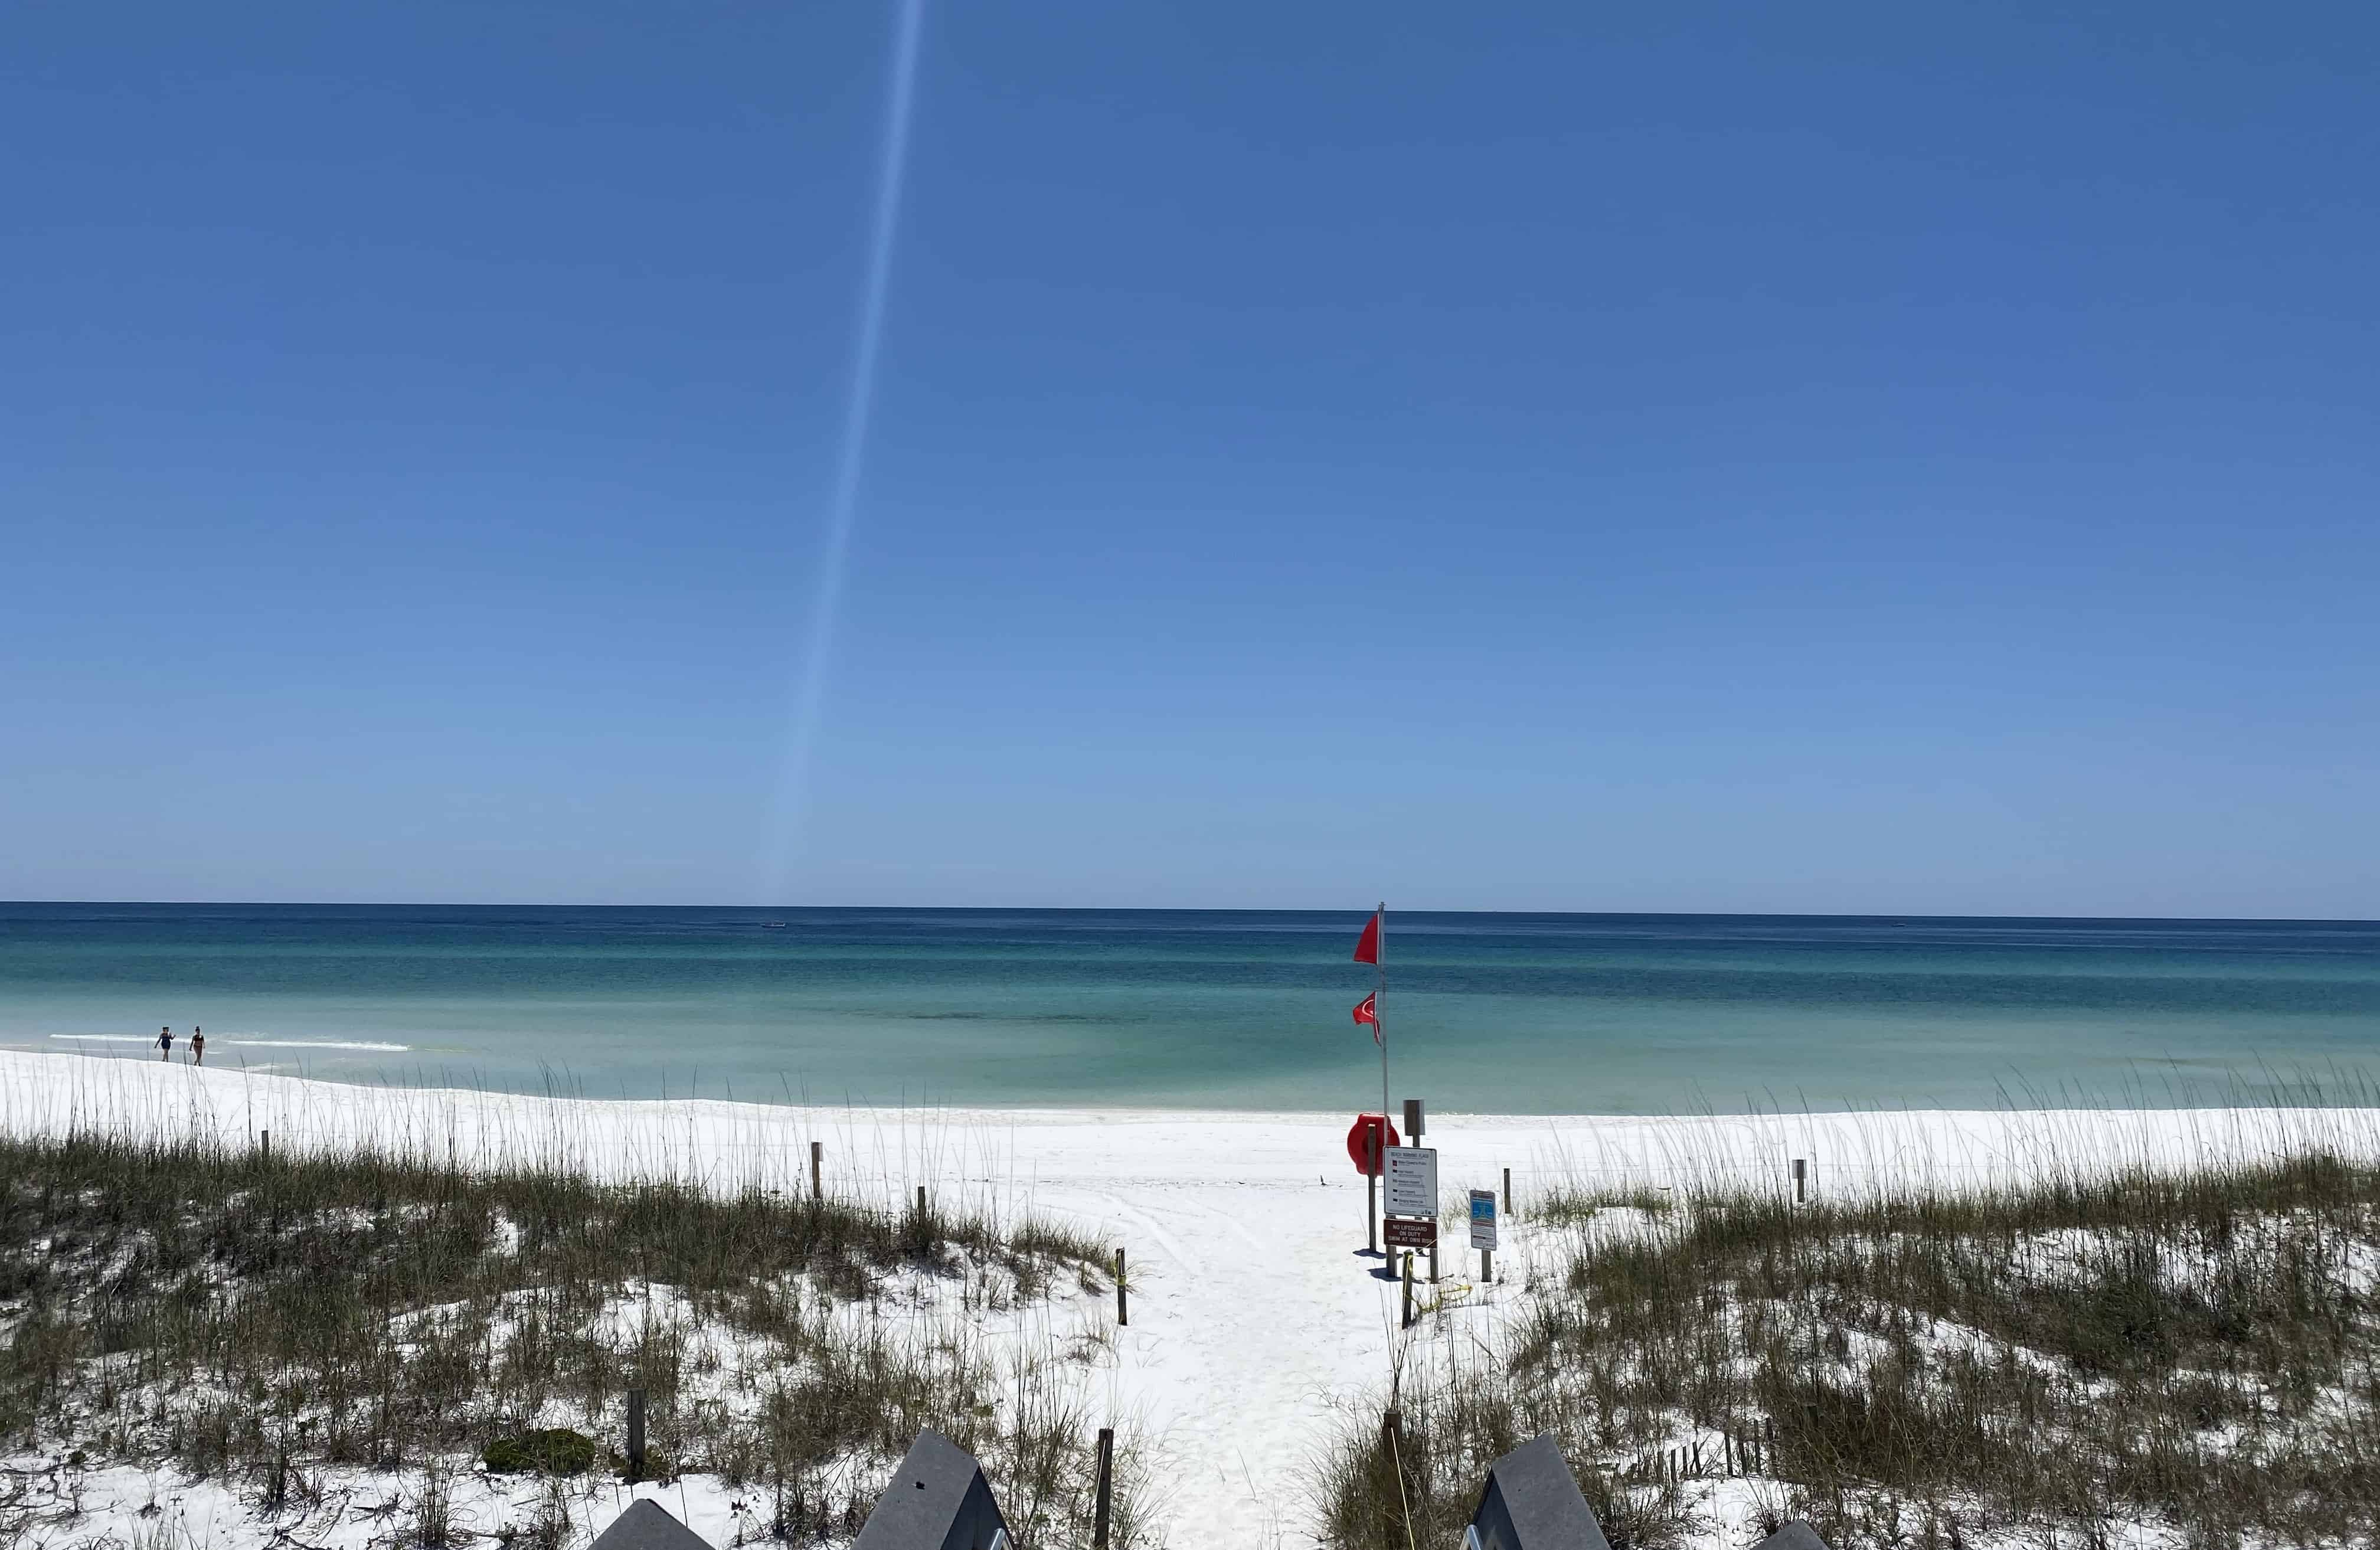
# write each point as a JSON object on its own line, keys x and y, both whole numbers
{"x": 2195, "y": 1353}
{"x": 255, "y": 1318}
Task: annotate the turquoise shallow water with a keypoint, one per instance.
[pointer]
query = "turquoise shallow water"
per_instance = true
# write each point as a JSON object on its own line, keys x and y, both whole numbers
{"x": 1519, "y": 1013}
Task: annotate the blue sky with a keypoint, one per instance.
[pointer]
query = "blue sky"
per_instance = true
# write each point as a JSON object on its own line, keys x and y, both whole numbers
{"x": 1842, "y": 458}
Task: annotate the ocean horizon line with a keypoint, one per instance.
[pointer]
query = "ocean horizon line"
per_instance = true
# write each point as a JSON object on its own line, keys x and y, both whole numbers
{"x": 1357, "y": 911}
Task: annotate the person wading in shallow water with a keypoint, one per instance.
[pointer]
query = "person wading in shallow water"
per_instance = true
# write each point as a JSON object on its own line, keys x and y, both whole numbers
{"x": 164, "y": 1044}
{"x": 197, "y": 1046}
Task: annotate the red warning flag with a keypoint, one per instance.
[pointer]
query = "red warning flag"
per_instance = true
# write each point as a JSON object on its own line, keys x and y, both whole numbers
{"x": 1367, "y": 1012}
{"x": 1367, "y": 946}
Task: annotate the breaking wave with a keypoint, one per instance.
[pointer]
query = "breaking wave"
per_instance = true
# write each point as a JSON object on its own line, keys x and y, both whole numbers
{"x": 372, "y": 1044}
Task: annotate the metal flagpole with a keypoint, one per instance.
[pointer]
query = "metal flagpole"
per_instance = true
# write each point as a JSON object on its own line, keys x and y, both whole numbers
{"x": 1380, "y": 1032}
{"x": 1381, "y": 984}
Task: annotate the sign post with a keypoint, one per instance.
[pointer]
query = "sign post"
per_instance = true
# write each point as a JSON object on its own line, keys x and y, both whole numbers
{"x": 1483, "y": 1230}
{"x": 1367, "y": 1138}
{"x": 1372, "y": 1192}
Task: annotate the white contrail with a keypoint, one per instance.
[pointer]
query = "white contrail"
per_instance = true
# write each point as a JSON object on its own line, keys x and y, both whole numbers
{"x": 793, "y": 796}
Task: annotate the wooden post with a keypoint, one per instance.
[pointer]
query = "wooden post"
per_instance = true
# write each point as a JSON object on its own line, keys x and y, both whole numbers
{"x": 1800, "y": 1181}
{"x": 1372, "y": 1195}
{"x": 1107, "y": 1475}
{"x": 1409, "y": 1315}
{"x": 818, "y": 1154}
{"x": 1507, "y": 1191}
{"x": 1487, "y": 1265}
{"x": 265, "y": 1145}
{"x": 1123, "y": 1313}
{"x": 635, "y": 1436}
{"x": 1392, "y": 1438}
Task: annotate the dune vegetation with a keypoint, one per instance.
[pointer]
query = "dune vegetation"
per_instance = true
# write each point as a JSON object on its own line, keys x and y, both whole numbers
{"x": 2125, "y": 1355}
{"x": 265, "y": 1320}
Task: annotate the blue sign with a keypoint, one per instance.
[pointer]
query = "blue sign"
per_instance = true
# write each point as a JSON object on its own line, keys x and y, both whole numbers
{"x": 1483, "y": 1218}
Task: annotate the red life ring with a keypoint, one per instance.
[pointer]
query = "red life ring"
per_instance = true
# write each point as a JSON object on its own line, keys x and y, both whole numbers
{"x": 1361, "y": 1139}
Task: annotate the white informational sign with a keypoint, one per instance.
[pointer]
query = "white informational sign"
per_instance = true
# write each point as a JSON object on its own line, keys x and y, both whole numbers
{"x": 1483, "y": 1218}
{"x": 1411, "y": 1189}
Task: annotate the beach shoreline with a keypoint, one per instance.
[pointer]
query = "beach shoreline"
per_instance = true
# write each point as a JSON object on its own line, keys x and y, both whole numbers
{"x": 735, "y": 1141}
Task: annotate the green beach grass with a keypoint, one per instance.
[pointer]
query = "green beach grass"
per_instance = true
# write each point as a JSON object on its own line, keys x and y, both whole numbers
{"x": 258, "y": 1318}
{"x": 2188, "y": 1358}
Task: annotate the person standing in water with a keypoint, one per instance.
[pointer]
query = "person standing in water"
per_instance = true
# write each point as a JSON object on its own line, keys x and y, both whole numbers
{"x": 164, "y": 1044}
{"x": 197, "y": 1046}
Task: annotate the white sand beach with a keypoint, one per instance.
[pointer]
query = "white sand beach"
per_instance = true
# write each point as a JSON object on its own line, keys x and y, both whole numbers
{"x": 1257, "y": 1326}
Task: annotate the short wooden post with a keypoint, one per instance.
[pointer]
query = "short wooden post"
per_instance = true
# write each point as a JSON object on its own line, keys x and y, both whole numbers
{"x": 921, "y": 1208}
{"x": 265, "y": 1145}
{"x": 1487, "y": 1265}
{"x": 1124, "y": 1312}
{"x": 1408, "y": 1278}
{"x": 1507, "y": 1191}
{"x": 1433, "y": 1262}
{"x": 818, "y": 1154}
{"x": 1392, "y": 1447}
{"x": 635, "y": 1436}
{"x": 1800, "y": 1181}
{"x": 1099, "y": 1506}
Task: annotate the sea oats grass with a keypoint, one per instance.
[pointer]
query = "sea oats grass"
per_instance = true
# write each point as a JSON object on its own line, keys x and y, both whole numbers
{"x": 2191, "y": 1356}
{"x": 255, "y": 1317}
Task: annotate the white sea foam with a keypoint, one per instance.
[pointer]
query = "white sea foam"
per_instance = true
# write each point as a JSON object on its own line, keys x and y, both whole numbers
{"x": 318, "y": 1044}
{"x": 373, "y": 1044}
